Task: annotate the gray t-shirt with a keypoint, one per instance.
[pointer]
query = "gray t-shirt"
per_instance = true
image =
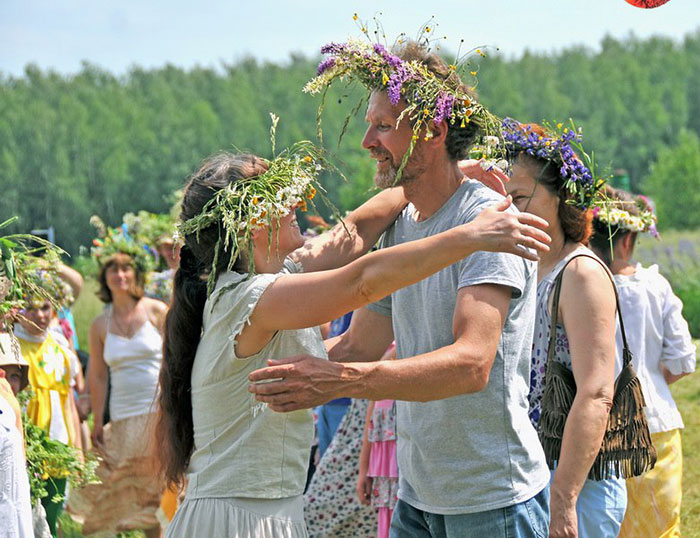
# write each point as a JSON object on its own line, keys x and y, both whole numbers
{"x": 473, "y": 452}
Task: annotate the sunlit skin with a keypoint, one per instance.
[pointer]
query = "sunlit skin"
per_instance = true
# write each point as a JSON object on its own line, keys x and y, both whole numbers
{"x": 286, "y": 238}
{"x": 387, "y": 143}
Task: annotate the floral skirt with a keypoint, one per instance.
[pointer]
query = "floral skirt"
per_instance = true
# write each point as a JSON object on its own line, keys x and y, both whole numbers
{"x": 129, "y": 495}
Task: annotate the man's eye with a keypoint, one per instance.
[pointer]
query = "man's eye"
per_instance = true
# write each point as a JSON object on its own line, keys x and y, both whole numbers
{"x": 384, "y": 127}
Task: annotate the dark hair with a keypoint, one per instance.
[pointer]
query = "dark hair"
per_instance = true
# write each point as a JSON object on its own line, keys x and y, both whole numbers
{"x": 575, "y": 222}
{"x": 459, "y": 139}
{"x": 604, "y": 233}
{"x": 136, "y": 290}
{"x": 183, "y": 324}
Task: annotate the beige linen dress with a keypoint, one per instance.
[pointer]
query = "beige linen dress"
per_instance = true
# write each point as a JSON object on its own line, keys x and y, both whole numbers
{"x": 248, "y": 470}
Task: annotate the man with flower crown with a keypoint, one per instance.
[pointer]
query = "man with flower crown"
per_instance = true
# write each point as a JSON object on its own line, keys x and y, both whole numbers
{"x": 470, "y": 463}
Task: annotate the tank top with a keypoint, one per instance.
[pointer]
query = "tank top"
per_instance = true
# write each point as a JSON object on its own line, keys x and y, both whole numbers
{"x": 134, "y": 365}
{"x": 540, "y": 342}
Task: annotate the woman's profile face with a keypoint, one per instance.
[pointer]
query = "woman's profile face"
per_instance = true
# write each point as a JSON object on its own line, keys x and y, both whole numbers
{"x": 531, "y": 196}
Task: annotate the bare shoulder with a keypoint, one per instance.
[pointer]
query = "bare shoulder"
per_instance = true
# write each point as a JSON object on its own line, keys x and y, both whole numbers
{"x": 584, "y": 270}
{"x": 587, "y": 281}
{"x": 99, "y": 325}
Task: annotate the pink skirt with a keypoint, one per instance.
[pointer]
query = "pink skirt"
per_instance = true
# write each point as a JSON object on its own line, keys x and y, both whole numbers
{"x": 382, "y": 459}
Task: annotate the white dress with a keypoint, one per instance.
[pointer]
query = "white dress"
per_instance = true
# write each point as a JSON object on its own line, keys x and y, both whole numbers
{"x": 15, "y": 506}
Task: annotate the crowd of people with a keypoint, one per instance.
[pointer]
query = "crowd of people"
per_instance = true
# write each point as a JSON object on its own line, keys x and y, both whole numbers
{"x": 498, "y": 366}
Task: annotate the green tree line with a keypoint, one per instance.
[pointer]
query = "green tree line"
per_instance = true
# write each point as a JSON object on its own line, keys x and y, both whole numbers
{"x": 97, "y": 143}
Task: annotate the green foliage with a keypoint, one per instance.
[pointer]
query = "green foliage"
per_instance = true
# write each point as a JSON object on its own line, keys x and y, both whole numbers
{"x": 678, "y": 258}
{"x": 674, "y": 183}
{"x": 48, "y": 459}
{"x": 95, "y": 143}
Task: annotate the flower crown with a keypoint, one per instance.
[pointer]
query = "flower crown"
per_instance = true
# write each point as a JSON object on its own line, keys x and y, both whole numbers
{"x": 429, "y": 97}
{"x": 612, "y": 213}
{"x": 558, "y": 146}
{"x": 111, "y": 241}
{"x": 18, "y": 265}
{"x": 43, "y": 283}
{"x": 254, "y": 203}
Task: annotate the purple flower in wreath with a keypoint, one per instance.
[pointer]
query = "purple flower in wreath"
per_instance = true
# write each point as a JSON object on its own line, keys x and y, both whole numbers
{"x": 325, "y": 65}
{"x": 333, "y": 48}
{"x": 393, "y": 61}
{"x": 443, "y": 106}
{"x": 395, "y": 83}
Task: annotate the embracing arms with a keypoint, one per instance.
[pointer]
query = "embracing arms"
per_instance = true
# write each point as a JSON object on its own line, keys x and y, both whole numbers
{"x": 461, "y": 367}
{"x": 305, "y": 300}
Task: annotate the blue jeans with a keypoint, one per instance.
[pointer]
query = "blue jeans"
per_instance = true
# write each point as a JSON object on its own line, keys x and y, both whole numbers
{"x": 528, "y": 519}
{"x": 329, "y": 418}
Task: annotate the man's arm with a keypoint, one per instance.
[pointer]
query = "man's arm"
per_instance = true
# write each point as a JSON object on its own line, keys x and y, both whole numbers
{"x": 358, "y": 233}
{"x": 366, "y": 340}
{"x": 459, "y": 368}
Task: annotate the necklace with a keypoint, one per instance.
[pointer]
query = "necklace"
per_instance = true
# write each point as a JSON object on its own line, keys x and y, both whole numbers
{"x": 126, "y": 330}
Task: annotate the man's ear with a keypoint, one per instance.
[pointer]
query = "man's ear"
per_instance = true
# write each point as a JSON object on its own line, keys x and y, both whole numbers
{"x": 439, "y": 132}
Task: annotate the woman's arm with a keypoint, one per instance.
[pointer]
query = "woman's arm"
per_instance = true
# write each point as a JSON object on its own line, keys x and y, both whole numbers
{"x": 588, "y": 313}
{"x": 308, "y": 299}
{"x": 337, "y": 247}
{"x": 364, "y": 482}
{"x": 97, "y": 378}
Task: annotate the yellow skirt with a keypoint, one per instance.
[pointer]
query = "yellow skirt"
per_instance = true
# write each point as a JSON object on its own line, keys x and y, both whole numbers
{"x": 654, "y": 499}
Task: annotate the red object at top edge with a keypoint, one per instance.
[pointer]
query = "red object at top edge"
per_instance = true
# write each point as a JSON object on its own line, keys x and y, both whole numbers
{"x": 646, "y": 4}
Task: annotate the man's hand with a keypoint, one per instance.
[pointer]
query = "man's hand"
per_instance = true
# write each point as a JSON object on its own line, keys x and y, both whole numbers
{"x": 491, "y": 176}
{"x": 563, "y": 521}
{"x": 298, "y": 382}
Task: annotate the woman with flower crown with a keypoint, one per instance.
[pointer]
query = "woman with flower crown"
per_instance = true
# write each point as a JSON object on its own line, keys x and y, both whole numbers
{"x": 663, "y": 352}
{"x": 550, "y": 181}
{"x": 126, "y": 345}
{"x": 248, "y": 290}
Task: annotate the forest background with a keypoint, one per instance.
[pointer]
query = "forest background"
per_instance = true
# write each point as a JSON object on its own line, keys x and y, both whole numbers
{"x": 74, "y": 145}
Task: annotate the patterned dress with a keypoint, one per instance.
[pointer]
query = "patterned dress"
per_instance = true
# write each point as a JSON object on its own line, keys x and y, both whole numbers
{"x": 331, "y": 508}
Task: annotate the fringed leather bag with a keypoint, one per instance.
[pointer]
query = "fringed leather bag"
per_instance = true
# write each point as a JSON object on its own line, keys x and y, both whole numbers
{"x": 627, "y": 450}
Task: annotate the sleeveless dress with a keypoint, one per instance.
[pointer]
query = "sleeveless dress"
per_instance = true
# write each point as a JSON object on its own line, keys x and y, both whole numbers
{"x": 248, "y": 470}
{"x": 130, "y": 493}
{"x": 601, "y": 504}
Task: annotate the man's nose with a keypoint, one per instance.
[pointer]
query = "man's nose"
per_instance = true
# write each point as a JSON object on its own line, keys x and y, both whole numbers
{"x": 369, "y": 141}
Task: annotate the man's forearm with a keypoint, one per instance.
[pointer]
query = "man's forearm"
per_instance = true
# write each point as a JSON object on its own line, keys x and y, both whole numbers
{"x": 449, "y": 371}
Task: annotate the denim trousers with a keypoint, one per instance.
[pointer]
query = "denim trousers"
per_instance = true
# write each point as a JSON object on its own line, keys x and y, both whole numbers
{"x": 528, "y": 519}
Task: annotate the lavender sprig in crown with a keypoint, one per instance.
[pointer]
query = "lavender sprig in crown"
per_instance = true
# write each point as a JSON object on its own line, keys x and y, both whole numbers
{"x": 429, "y": 97}
{"x": 562, "y": 146}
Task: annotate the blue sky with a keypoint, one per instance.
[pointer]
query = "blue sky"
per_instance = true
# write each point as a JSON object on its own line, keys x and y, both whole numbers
{"x": 60, "y": 34}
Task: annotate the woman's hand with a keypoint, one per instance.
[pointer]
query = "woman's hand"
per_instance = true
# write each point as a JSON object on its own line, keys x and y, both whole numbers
{"x": 491, "y": 176}
{"x": 496, "y": 230}
{"x": 364, "y": 488}
{"x": 563, "y": 521}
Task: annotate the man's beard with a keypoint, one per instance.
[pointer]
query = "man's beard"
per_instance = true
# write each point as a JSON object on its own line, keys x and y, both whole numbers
{"x": 414, "y": 167}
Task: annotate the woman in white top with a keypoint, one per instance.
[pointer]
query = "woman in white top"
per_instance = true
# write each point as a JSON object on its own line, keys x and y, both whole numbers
{"x": 245, "y": 464}
{"x": 125, "y": 340}
{"x": 662, "y": 351}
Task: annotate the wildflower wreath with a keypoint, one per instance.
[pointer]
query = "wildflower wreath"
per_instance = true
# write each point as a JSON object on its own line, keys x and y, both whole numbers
{"x": 562, "y": 147}
{"x": 22, "y": 273}
{"x": 429, "y": 97}
{"x": 111, "y": 241}
{"x": 254, "y": 203}
{"x": 613, "y": 213}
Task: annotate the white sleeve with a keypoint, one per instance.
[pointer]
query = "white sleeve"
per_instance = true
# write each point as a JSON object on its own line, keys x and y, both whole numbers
{"x": 678, "y": 354}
